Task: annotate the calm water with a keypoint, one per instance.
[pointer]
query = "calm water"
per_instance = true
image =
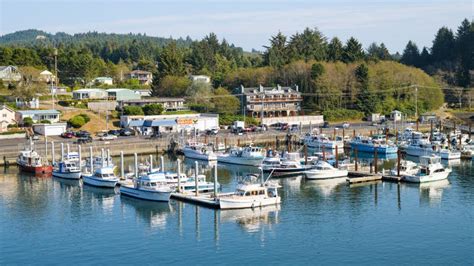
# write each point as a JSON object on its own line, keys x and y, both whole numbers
{"x": 52, "y": 221}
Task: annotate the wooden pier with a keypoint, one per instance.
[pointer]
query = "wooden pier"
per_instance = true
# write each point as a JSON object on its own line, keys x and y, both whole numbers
{"x": 392, "y": 178}
{"x": 203, "y": 199}
{"x": 361, "y": 177}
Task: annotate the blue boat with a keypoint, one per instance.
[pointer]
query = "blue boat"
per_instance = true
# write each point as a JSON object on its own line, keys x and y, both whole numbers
{"x": 365, "y": 144}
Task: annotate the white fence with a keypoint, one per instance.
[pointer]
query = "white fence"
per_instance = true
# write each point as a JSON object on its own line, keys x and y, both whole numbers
{"x": 295, "y": 120}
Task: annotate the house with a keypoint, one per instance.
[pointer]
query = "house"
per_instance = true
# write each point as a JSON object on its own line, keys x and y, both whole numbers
{"x": 200, "y": 78}
{"x": 153, "y": 124}
{"x": 375, "y": 118}
{"x": 32, "y": 104}
{"x": 122, "y": 94}
{"x": 428, "y": 117}
{"x": 9, "y": 74}
{"x": 38, "y": 115}
{"x": 58, "y": 90}
{"x": 396, "y": 115}
{"x": 271, "y": 101}
{"x": 143, "y": 77}
{"x": 104, "y": 81}
{"x": 169, "y": 104}
{"x": 54, "y": 129}
{"x": 47, "y": 76}
{"x": 7, "y": 117}
{"x": 144, "y": 93}
{"x": 89, "y": 94}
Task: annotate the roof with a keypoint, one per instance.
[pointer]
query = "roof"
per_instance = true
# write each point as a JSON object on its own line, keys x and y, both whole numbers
{"x": 158, "y": 123}
{"x": 104, "y": 78}
{"x": 38, "y": 112}
{"x": 46, "y": 72}
{"x": 6, "y": 107}
{"x": 136, "y": 123}
{"x": 5, "y": 67}
{"x": 89, "y": 90}
{"x": 268, "y": 90}
{"x": 140, "y": 72}
{"x": 155, "y": 100}
{"x": 118, "y": 89}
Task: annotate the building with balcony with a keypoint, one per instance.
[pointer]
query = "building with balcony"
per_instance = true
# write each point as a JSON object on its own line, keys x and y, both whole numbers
{"x": 143, "y": 77}
{"x": 271, "y": 101}
{"x": 169, "y": 104}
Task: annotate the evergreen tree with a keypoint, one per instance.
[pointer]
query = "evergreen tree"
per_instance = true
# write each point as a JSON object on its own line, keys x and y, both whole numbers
{"x": 411, "y": 54}
{"x": 352, "y": 51}
{"x": 335, "y": 50}
{"x": 465, "y": 53}
{"x": 366, "y": 100}
{"x": 443, "y": 45}
{"x": 276, "y": 54}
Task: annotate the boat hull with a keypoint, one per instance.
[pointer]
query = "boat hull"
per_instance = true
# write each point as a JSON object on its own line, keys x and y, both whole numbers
{"x": 321, "y": 175}
{"x": 199, "y": 156}
{"x": 145, "y": 195}
{"x": 98, "y": 182}
{"x": 417, "y": 152}
{"x": 327, "y": 145}
{"x": 68, "y": 175}
{"x": 285, "y": 172}
{"x": 240, "y": 160}
{"x": 36, "y": 169}
{"x": 230, "y": 203}
{"x": 371, "y": 149}
{"x": 428, "y": 178}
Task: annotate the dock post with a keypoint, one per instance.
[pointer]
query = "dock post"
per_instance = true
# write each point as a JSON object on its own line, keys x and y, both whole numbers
{"x": 396, "y": 137}
{"x": 79, "y": 152}
{"x": 337, "y": 160}
{"x": 417, "y": 124}
{"x": 305, "y": 154}
{"x": 215, "y": 181}
{"x": 196, "y": 188}
{"x": 108, "y": 157}
{"x": 67, "y": 150}
{"x": 216, "y": 144}
{"x": 454, "y": 126}
{"x": 470, "y": 128}
{"x": 53, "y": 159}
{"x": 91, "y": 162}
{"x": 431, "y": 131}
{"x": 324, "y": 153}
{"x": 355, "y": 159}
{"x": 375, "y": 160}
{"x": 353, "y": 133}
{"x": 386, "y": 135}
{"x": 334, "y": 134}
{"x": 178, "y": 161}
{"x": 122, "y": 171}
{"x": 135, "y": 164}
{"x": 225, "y": 143}
{"x": 449, "y": 140}
{"x": 151, "y": 162}
{"x": 205, "y": 139}
{"x": 238, "y": 142}
{"x": 398, "y": 163}
{"x": 162, "y": 163}
{"x": 62, "y": 152}
{"x": 343, "y": 133}
{"x": 370, "y": 132}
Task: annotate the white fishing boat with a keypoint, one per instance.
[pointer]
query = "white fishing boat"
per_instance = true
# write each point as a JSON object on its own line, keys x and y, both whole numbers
{"x": 147, "y": 187}
{"x": 288, "y": 165}
{"x": 322, "y": 141}
{"x": 425, "y": 148}
{"x": 430, "y": 170}
{"x": 406, "y": 168}
{"x": 199, "y": 151}
{"x": 102, "y": 177}
{"x": 324, "y": 170}
{"x": 249, "y": 155}
{"x": 67, "y": 169}
{"x": 250, "y": 194}
{"x": 189, "y": 184}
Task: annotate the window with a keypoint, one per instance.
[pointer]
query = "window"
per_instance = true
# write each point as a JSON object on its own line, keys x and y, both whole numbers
{"x": 4, "y": 115}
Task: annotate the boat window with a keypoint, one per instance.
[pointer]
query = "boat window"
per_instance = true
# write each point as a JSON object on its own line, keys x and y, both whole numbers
{"x": 247, "y": 193}
{"x": 261, "y": 192}
{"x": 439, "y": 170}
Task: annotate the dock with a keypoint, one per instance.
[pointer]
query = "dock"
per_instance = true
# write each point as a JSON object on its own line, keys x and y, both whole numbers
{"x": 392, "y": 178}
{"x": 361, "y": 177}
{"x": 203, "y": 199}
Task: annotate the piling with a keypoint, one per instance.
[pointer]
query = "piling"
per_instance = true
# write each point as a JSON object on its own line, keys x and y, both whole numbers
{"x": 370, "y": 133}
{"x": 343, "y": 133}
{"x": 122, "y": 171}
{"x": 470, "y": 127}
{"x": 215, "y": 181}
{"x": 324, "y": 154}
{"x": 91, "y": 162}
{"x": 398, "y": 163}
{"x": 238, "y": 142}
{"x": 454, "y": 126}
{"x": 216, "y": 144}
{"x": 205, "y": 139}
{"x": 53, "y": 159}
{"x": 334, "y": 134}
{"x": 396, "y": 137}
{"x": 417, "y": 124}
{"x": 151, "y": 162}
{"x": 225, "y": 143}
{"x": 375, "y": 160}
{"x": 305, "y": 154}
{"x": 178, "y": 161}
{"x": 162, "y": 163}
{"x": 355, "y": 159}
{"x": 79, "y": 152}
{"x": 196, "y": 188}
{"x": 337, "y": 159}
{"x": 108, "y": 158}
{"x": 353, "y": 133}
{"x": 67, "y": 150}
{"x": 62, "y": 151}
{"x": 135, "y": 164}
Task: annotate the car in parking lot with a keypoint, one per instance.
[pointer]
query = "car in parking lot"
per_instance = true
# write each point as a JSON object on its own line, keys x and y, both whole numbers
{"x": 108, "y": 137}
{"x": 82, "y": 140}
{"x": 67, "y": 135}
{"x": 326, "y": 124}
{"x": 127, "y": 132}
{"x": 82, "y": 133}
{"x": 114, "y": 132}
{"x": 346, "y": 125}
{"x": 212, "y": 132}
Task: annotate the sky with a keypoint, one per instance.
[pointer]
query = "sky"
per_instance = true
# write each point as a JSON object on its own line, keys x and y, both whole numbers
{"x": 246, "y": 23}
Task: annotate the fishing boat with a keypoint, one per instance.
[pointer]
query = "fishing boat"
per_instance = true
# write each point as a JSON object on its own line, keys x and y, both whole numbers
{"x": 365, "y": 144}
{"x": 324, "y": 170}
{"x": 189, "y": 184}
{"x": 199, "y": 151}
{"x": 30, "y": 161}
{"x": 430, "y": 170}
{"x": 68, "y": 169}
{"x": 425, "y": 148}
{"x": 250, "y": 194}
{"x": 249, "y": 155}
{"x": 322, "y": 141}
{"x": 102, "y": 177}
{"x": 147, "y": 187}
{"x": 287, "y": 165}
{"x": 407, "y": 167}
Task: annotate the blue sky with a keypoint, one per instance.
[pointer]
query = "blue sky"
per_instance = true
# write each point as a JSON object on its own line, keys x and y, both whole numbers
{"x": 246, "y": 23}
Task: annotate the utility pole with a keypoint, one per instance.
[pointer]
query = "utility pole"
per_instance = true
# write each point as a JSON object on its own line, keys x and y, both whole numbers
{"x": 261, "y": 110}
{"x": 55, "y": 75}
{"x": 416, "y": 103}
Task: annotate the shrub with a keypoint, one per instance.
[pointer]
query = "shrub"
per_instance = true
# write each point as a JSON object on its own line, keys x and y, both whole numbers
{"x": 342, "y": 114}
{"x": 77, "y": 121}
{"x": 86, "y": 117}
{"x": 153, "y": 109}
{"x": 133, "y": 110}
{"x": 27, "y": 122}
{"x": 45, "y": 121}
{"x": 227, "y": 120}
{"x": 12, "y": 126}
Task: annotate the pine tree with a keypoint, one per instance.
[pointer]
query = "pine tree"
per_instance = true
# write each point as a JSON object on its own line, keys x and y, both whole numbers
{"x": 411, "y": 54}
{"x": 335, "y": 50}
{"x": 352, "y": 51}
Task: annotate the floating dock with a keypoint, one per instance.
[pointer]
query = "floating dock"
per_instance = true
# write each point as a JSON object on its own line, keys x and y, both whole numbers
{"x": 362, "y": 177}
{"x": 203, "y": 199}
{"x": 392, "y": 178}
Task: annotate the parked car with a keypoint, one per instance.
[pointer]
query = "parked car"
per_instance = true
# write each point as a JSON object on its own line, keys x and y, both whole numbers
{"x": 108, "y": 137}
{"x": 127, "y": 132}
{"x": 82, "y": 133}
{"x": 212, "y": 132}
{"x": 346, "y": 125}
{"x": 325, "y": 125}
{"x": 83, "y": 140}
{"x": 114, "y": 132}
{"x": 67, "y": 135}
{"x": 36, "y": 137}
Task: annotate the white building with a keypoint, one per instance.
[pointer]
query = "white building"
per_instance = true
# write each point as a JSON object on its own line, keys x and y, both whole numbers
{"x": 143, "y": 77}
{"x": 104, "y": 80}
{"x": 9, "y": 74}
{"x": 47, "y": 76}
{"x": 31, "y": 104}
{"x": 7, "y": 117}
{"x": 149, "y": 125}
{"x": 38, "y": 115}
{"x": 396, "y": 115}
{"x": 89, "y": 94}
{"x": 55, "y": 129}
{"x": 200, "y": 78}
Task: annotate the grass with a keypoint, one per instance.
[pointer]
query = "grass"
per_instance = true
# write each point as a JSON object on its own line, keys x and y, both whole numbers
{"x": 96, "y": 123}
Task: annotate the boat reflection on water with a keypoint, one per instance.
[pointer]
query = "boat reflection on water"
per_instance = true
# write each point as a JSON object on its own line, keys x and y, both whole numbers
{"x": 67, "y": 182}
{"x": 155, "y": 214}
{"x": 325, "y": 186}
{"x": 102, "y": 197}
{"x": 252, "y": 220}
{"x": 432, "y": 192}
{"x": 239, "y": 170}
{"x": 290, "y": 185}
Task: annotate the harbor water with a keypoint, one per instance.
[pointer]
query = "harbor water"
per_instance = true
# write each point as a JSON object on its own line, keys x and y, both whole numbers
{"x": 45, "y": 220}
